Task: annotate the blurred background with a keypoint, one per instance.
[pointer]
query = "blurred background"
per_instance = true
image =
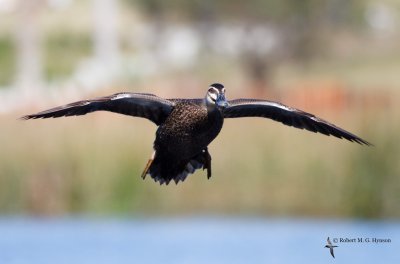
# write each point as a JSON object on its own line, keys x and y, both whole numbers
{"x": 78, "y": 179}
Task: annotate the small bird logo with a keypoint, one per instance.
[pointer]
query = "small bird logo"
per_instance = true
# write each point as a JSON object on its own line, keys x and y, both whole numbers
{"x": 330, "y": 246}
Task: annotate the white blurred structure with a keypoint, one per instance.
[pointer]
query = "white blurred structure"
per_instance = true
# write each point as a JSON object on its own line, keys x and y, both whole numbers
{"x": 105, "y": 31}
{"x": 28, "y": 46}
{"x": 93, "y": 72}
{"x": 382, "y": 18}
{"x": 7, "y": 5}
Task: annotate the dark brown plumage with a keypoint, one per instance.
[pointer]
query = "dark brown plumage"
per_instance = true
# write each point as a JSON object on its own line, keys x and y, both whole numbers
{"x": 177, "y": 156}
{"x": 187, "y": 126}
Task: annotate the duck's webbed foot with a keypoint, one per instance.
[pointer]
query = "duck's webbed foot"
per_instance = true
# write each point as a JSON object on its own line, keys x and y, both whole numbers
{"x": 207, "y": 162}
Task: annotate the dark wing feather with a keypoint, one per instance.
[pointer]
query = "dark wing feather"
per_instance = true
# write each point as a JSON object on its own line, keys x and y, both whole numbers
{"x": 147, "y": 106}
{"x": 288, "y": 116}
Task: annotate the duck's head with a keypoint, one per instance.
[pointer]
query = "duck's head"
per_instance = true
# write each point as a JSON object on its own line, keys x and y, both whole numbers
{"x": 215, "y": 97}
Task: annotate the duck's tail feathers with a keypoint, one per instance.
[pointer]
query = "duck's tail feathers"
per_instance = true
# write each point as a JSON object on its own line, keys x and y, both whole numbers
{"x": 163, "y": 172}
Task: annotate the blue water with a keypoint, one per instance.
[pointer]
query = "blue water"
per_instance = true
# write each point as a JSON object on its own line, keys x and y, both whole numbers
{"x": 193, "y": 240}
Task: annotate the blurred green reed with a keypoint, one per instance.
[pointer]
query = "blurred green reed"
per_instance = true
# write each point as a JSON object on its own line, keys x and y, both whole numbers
{"x": 93, "y": 164}
{"x": 67, "y": 48}
{"x": 7, "y": 59}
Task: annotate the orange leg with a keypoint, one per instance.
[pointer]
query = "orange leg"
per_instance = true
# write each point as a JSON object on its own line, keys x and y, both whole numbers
{"x": 146, "y": 169}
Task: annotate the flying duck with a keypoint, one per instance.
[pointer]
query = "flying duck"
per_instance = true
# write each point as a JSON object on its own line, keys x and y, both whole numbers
{"x": 187, "y": 126}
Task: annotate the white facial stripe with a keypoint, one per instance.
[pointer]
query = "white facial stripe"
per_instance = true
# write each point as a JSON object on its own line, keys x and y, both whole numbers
{"x": 213, "y": 93}
{"x": 213, "y": 96}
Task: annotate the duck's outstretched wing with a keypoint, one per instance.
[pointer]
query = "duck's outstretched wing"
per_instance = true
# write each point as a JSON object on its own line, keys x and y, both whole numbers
{"x": 288, "y": 116}
{"x": 147, "y": 106}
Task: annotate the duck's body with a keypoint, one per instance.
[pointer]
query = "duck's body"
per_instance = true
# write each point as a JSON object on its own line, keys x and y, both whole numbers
{"x": 187, "y": 126}
{"x": 177, "y": 156}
